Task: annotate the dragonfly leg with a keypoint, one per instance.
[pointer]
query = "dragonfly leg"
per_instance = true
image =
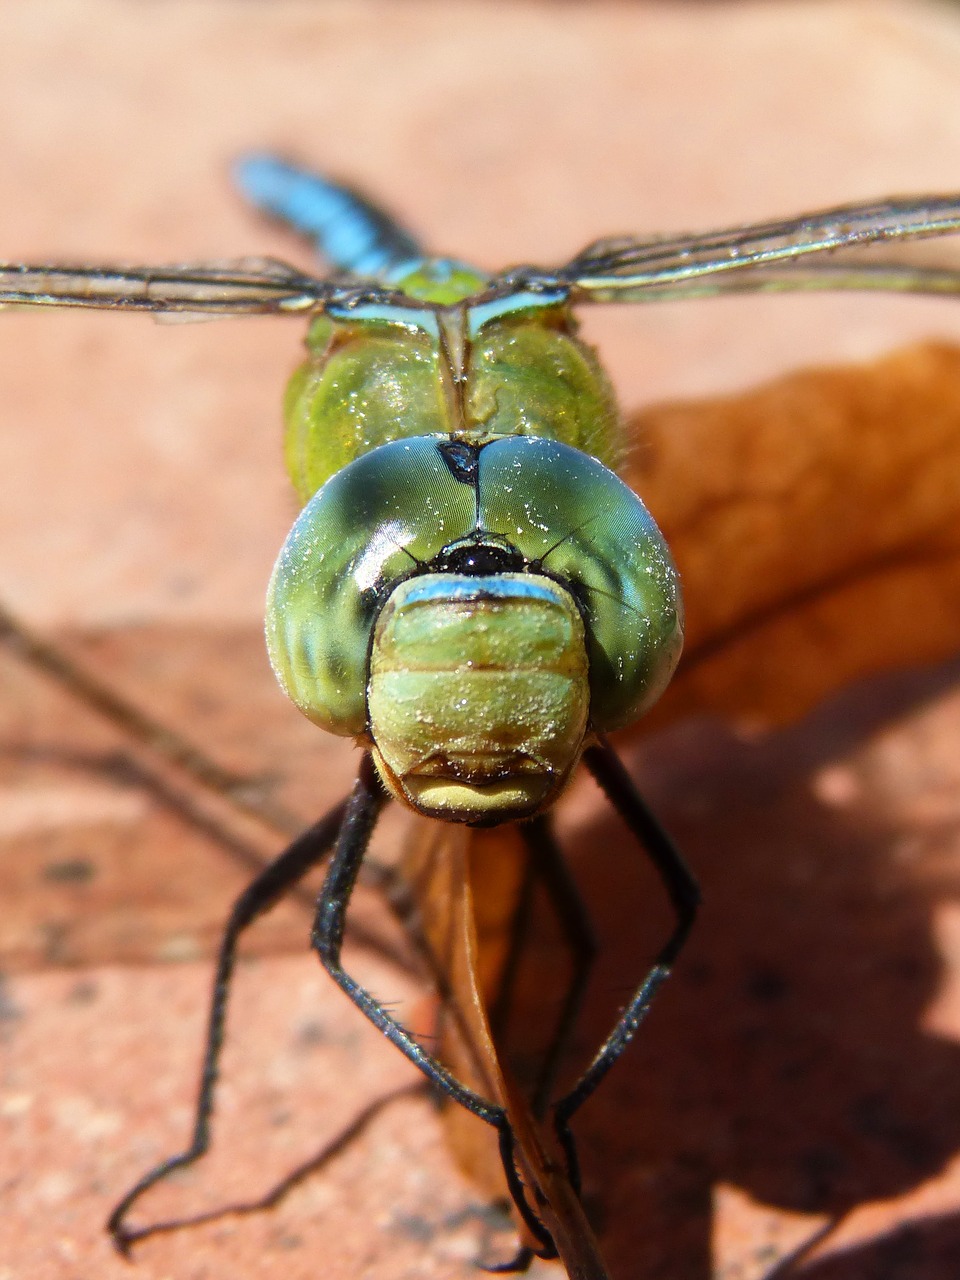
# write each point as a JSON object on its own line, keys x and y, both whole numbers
{"x": 272, "y": 882}
{"x": 363, "y": 809}
{"x": 548, "y": 866}
{"x": 362, "y": 812}
{"x": 684, "y": 894}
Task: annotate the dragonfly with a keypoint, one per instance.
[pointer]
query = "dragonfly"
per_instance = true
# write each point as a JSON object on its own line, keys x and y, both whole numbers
{"x": 470, "y": 592}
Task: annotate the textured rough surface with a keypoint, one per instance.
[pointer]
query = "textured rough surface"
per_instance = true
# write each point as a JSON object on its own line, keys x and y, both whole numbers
{"x": 801, "y": 1071}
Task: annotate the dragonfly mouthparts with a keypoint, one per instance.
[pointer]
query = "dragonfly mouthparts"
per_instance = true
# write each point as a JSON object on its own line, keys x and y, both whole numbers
{"x": 480, "y": 769}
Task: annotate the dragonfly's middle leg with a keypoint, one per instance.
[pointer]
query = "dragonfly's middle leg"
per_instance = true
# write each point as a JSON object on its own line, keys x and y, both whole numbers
{"x": 684, "y": 894}
{"x": 547, "y": 867}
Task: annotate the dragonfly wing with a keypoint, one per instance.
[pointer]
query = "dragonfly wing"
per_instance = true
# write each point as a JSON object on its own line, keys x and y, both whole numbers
{"x": 897, "y": 276}
{"x": 807, "y": 252}
{"x": 249, "y": 287}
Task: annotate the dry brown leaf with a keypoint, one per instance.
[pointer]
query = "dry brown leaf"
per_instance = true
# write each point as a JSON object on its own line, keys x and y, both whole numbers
{"x": 466, "y": 885}
{"x": 816, "y": 525}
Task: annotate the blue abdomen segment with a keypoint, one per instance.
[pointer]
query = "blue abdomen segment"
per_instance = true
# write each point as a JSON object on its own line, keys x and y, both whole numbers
{"x": 349, "y": 231}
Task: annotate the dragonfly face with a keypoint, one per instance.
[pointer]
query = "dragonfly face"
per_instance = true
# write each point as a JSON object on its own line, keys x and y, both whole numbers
{"x": 478, "y": 695}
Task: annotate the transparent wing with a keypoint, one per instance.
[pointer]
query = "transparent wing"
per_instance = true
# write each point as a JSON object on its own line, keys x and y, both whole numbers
{"x": 248, "y": 287}
{"x": 807, "y": 252}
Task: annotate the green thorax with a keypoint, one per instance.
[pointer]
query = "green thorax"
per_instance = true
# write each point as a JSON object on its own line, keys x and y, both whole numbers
{"x": 511, "y": 366}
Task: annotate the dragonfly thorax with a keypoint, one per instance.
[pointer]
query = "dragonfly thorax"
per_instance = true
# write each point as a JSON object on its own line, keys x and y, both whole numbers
{"x": 478, "y": 694}
{"x": 376, "y": 374}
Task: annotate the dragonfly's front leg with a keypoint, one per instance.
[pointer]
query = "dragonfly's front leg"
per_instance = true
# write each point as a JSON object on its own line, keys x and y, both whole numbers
{"x": 272, "y": 882}
{"x": 361, "y": 816}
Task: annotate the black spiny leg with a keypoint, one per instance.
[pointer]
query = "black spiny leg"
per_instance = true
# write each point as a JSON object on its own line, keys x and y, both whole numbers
{"x": 272, "y": 882}
{"x": 363, "y": 809}
{"x": 684, "y": 894}
{"x": 362, "y": 812}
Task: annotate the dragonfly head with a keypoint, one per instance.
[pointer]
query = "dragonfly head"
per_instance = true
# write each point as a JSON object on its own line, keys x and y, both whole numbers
{"x": 472, "y": 612}
{"x": 478, "y": 695}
